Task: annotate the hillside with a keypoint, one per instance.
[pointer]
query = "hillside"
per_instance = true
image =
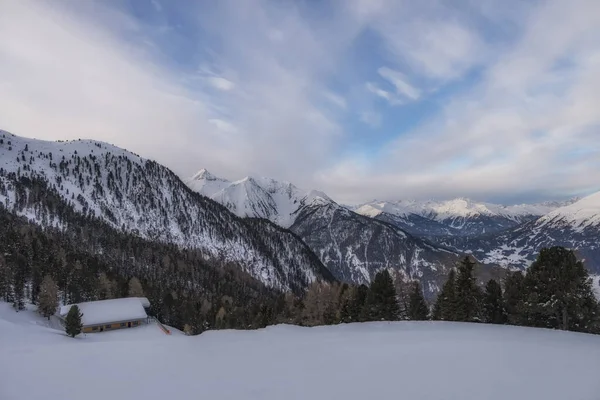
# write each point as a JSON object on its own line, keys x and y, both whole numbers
{"x": 138, "y": 196}
{"x": 351, "y": 361}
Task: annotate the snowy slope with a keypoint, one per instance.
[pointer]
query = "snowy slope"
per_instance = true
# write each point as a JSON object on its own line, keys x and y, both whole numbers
{"x": 412, "y": 360}
{"x": 144, "y": 198}
{"x": 261, "y": 197}
{"x": 580, "y": 215}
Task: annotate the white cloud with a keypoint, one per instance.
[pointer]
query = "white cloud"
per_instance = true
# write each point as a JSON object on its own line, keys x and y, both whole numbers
{"x": 220, "y": 83}
{"x": 400, "y": 82}
{"x": 371, "y": 118}
{"x": 335, "y": 99}
{"x": 514, "y": 133}
{"x": 384, "y": 94}
{"x": 261, "y": 100}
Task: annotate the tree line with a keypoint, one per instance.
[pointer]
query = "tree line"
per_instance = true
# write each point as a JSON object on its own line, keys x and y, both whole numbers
{"x": 555, "y": 292}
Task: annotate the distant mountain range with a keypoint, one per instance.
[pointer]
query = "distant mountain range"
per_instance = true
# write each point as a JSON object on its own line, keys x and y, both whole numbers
{"x": 458, "y": 217}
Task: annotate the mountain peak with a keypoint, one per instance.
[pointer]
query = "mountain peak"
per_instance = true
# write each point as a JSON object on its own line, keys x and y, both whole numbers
{"x": 204, "y": 174}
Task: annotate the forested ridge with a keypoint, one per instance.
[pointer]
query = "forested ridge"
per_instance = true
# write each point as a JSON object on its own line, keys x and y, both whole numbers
{"x": 50, "y": 181}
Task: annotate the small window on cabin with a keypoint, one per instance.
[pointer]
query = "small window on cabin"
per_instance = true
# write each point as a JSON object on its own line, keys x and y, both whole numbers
{"x": 107, "y": 326}
{"x": 95, "y": 328}
{"x": 135, "y": 323}
{"x": 122, "y": 324}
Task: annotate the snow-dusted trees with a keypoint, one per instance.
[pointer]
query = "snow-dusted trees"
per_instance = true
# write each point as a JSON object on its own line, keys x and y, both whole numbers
{"x": 105, "y": 287}
{"x": 48, "y": 298}
{"x": 559, "y": 293}
{"x": 403, "y": 290}
{"x": 5, "y": 280}
{"x": 135, "y": 288}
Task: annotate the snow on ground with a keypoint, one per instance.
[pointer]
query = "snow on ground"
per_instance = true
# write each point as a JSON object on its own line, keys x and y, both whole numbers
{"x": 408, "y": 360}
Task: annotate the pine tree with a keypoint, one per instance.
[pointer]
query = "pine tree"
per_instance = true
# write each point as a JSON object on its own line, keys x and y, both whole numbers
{"x": 418, "y": 310}
{"x": 381, "y": 303}
{"x": 73, "y": 323}
{"x": 468, "y": 295}
{"x": 445, "y": 305}
{"x": 48, "y": 299}
{"x": 514, "y": 295}
{"x": 353, "y": 310}
{"x": 493, "y": 303}
{"x": 135, "y": 288}
{"x": 559, "y": 292}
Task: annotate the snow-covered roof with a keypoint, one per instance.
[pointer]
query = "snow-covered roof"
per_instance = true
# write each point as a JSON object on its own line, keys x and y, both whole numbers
{"x": 113, "y": 310}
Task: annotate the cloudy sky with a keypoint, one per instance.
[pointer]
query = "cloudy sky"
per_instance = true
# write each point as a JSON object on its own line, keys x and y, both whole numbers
{"x": 494, "y": 100}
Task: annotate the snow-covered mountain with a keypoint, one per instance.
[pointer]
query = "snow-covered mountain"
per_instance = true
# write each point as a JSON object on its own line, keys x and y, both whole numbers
{"x": 352, "y": 246}
{"x": 458, "y": 217}
{"x": 261, "y": 197}
{"x": 139, "y": 196}
{"x": 575, "y": 226}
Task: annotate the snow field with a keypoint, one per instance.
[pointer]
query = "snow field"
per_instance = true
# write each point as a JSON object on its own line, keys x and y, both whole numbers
{"x": 409, "y": 360}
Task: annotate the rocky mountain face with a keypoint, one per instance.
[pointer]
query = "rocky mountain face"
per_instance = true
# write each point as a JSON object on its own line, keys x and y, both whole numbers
{"x": 355, "y": 247}
{"x": 134, "y": 195}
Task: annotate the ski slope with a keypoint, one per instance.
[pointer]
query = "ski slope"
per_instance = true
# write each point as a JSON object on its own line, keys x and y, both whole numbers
{"x": 404, "y": 360}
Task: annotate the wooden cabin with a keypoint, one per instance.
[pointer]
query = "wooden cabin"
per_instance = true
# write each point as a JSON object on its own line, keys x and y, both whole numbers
{"x": 106, "y": 315}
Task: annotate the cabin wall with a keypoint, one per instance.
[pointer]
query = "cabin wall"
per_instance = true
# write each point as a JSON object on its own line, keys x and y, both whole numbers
{"x": 112, "y": 326}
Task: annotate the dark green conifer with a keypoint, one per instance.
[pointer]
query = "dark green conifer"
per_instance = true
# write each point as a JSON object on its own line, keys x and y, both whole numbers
{"x": 418, "y": 310}
{"x": 445, "y": 305}
{"x": 493, "y": 303}
{"x": 468, "y": 295}
{"x": 73, "y": 323}
{"x": 559, "y": 293}
{"x": 381, "y": 303}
